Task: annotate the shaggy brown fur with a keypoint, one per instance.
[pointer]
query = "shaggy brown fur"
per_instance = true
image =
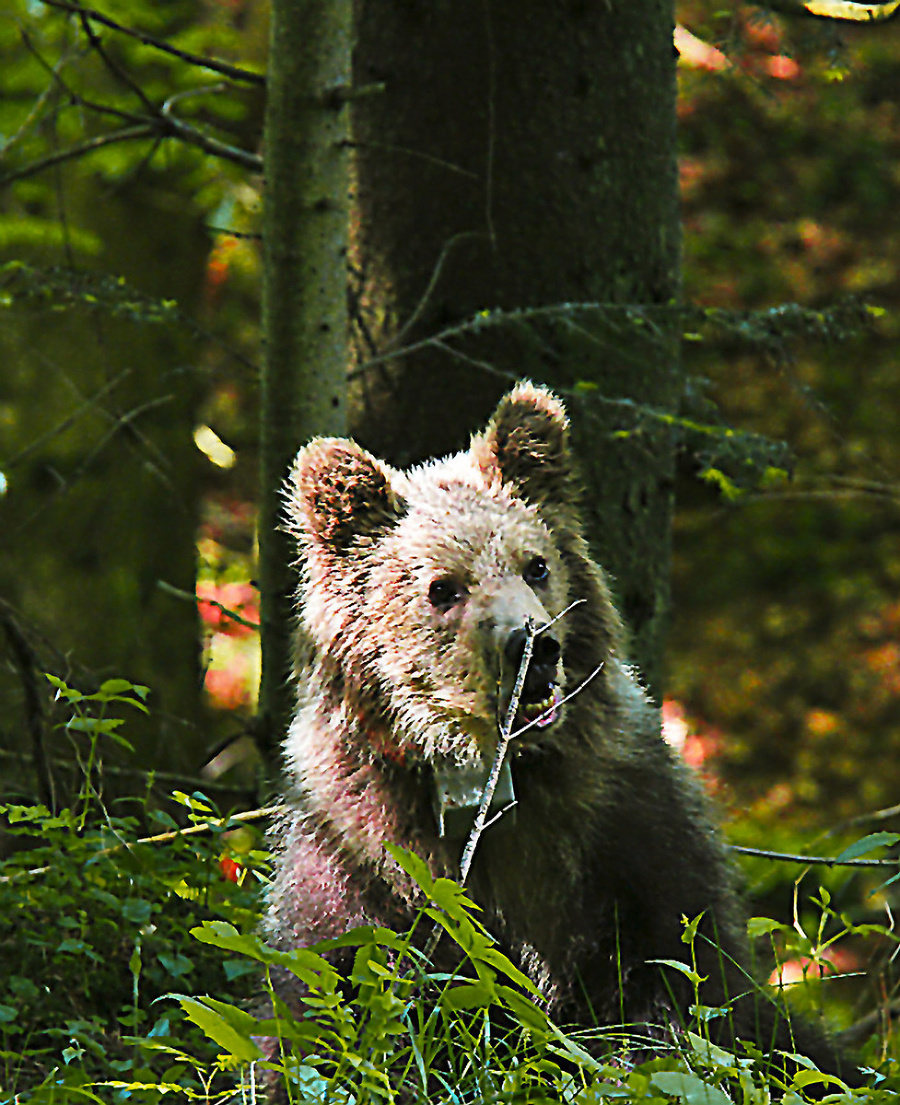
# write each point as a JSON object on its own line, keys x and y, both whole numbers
{"x": 416, "y": 589}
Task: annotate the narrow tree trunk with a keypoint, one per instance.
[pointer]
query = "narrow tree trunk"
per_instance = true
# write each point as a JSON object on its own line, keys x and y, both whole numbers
{"x": 522, "y": 155}
{"x": 304, "y": 312}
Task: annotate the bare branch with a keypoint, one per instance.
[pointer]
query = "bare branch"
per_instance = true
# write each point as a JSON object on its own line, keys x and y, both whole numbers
{"x": 233, "y": 72}
{"x": 113, "y": 66}
{"x": 178, "y": 129}
{"x": 427, "y": 295}
{"x": 158, "y": 122}
{"x": 162, "y": 126}
{"x": 815, "y": 861}
{"x": 35, "y": 112}
{"x": 486, "y": 319}
{"x": 536, "y": 721}
{"x": 69, "y": 420}
{"x": 196, "y": 599}
{"x": 80, "y": 149}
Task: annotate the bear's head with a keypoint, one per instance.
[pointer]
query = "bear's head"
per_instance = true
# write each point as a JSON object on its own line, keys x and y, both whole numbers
{"x": 420, "y": 587}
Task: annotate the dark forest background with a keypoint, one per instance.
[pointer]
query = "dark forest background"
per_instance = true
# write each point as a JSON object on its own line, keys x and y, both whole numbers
{"x": 131, "y": 270}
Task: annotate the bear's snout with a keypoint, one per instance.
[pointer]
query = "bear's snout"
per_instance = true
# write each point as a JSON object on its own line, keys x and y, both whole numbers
{"x": 510, "y": 611}
{"x": 540, "y": 696}
{"x": 542, "y": 668}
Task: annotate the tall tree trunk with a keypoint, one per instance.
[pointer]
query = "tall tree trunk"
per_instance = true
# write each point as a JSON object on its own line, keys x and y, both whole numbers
{"x": 522, "y": 154}
{"x": 304, "y": 304}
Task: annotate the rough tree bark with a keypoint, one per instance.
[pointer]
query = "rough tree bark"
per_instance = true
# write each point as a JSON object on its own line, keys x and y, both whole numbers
{"x": 523, "y": 154}
{"x": 304, "y": 294}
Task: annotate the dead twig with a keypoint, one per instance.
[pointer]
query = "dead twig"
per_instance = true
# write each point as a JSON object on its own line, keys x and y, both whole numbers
{"x": 197, "y": 599}
{"x": 222, "y": 67}
{"x": 820, "y": 861}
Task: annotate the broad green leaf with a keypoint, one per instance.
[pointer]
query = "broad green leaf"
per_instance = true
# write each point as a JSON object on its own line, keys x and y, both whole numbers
{"x": 689, "y": 1088}
{"x": 474, "y": 996}
{"x": 414, "y": 866}
{"x": 63, "y": 689}
{"x": 137, "y": 910}
{"x": 868, "y": 844}
{"x": 688, "y": 972}
{"x": 715, "y": 1056}
{"x": 231, "y": 1031}
{"x": 806, "y": 1078}
{"x": 762, "y": 926}
{"x": 100, "y": 726}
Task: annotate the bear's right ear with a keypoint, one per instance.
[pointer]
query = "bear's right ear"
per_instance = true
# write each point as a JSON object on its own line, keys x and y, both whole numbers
{"x": 337, "y": 492}
{"x": 526, "y": 443}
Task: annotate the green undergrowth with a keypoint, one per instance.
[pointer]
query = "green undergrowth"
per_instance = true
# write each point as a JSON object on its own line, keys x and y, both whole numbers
{"x": 131, "y": 971}
{"x": 95, "y": 915}
{"x": 94, "y": 933}
{"x": 392, "y": 1030}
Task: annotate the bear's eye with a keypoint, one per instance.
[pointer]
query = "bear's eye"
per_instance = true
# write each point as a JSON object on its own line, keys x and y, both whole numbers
{"x": 444, "y": 593}
{"x": 536, "y": 572}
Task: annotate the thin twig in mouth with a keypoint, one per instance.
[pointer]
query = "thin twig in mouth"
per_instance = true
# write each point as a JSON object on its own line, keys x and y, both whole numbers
{"x": 487, "y": 795}
{"x": 560, "y": 615}
{"x": 556, "y": 705}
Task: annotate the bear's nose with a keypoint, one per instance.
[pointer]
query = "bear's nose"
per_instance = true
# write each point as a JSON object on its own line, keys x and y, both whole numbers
{"x": 545, "y": 652}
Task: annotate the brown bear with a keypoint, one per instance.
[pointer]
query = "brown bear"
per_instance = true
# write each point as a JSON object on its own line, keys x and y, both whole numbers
{"x": 417, "y": 591}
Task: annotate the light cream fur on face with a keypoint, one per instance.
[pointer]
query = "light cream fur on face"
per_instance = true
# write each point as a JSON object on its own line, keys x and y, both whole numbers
{"x": 444, "y": 671}
{"x": 375, "y": 540}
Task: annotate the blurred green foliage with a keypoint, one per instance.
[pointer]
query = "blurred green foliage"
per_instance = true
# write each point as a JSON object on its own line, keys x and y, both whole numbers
{"x": 787, "y": 611}
{"x": 112, "y": 279}
{"x": 129, "y": 296}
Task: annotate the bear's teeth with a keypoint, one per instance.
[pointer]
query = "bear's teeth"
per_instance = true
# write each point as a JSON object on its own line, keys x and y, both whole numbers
{"x": 542, "y": 714}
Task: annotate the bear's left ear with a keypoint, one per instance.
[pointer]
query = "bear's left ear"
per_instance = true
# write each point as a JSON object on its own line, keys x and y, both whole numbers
{"x": 527, "y": 444}
{"x": 337, "y": 492}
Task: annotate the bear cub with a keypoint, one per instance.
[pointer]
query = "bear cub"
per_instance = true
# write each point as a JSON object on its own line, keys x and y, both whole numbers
{"x": 417, "y": 590}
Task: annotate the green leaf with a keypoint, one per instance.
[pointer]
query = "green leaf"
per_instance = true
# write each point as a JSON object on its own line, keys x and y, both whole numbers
{"x": 112, "y": 687}
{"x": 223, "y": 935}
{"x": 713, "y": 1055}
{"x": 728, "y": 488}
{"x": 63, "y": 689}
{"x": 688, "y": 972}
{"x": 100, "y": 726}
{"x": 137, "y": 910}
{"x": 805, "y": 1078}
{"x": 689, "y": 935}
{"x": 302, "y": 962}
{"x": 478, "y": 995}
{"x": 762, "y": 926}
{"x": 689, "y": 1088}
{"x": 868, "y": 844}
{"x": 227, "y": 1025}
{"x": 414, "y": 866}
{"x": 176, "y": 965}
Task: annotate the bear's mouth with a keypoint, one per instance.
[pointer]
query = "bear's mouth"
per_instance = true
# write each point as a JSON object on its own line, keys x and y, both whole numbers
{"x": 539, "y": 713}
